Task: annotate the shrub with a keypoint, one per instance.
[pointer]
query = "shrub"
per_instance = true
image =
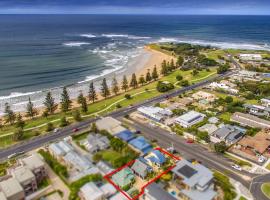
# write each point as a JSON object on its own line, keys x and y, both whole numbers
{"x": 179, "y": 77}
{"x": 77, "y": 115}
{"x": 128, "y": 96}
{"x": 224, "y": 182}
{"x": 164, "y": 87}
{"x": 49, "y": 127}
{"x": 75, "y": 186}
{"x": 118, "y": 105}
{"x": 184, "y": 83}
{"x": 58, "y": 168}
{"x": 220, "y": 147}
{"x": 63, "y": 122}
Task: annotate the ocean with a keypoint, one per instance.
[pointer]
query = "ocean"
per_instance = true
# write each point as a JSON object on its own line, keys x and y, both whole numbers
{"x": 46, "y": 52}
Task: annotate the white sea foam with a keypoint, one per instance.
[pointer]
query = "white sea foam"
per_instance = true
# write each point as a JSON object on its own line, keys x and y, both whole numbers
{"x": 88, "y": 35}
{"x": 17, "y": 94}
{"x": 163, "y": 39}
{"x": 223, "y": 45}
{"x": 75, "y": 44}
{"x": 125, "y": 36}
{"x": 114, "y": 35}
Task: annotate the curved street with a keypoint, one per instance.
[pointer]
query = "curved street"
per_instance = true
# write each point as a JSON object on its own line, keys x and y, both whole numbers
{"x": 255, "y": 187}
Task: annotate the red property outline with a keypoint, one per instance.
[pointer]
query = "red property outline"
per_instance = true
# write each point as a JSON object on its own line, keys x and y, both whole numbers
{"x": 107, "y": 176}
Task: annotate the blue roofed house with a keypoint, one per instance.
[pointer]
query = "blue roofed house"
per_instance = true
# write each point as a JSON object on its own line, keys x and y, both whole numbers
{"x": 126, "y": 135}
{"x": 194, "y": 181}
{"x": 155, "y": 158}
{"x": 141, "y": 144}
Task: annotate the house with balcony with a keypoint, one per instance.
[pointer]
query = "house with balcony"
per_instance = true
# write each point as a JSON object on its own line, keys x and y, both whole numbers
{"x": 193, "y": 181}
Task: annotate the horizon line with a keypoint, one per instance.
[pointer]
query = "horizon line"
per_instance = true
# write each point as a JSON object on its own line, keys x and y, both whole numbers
{"x": 143, "y": 14}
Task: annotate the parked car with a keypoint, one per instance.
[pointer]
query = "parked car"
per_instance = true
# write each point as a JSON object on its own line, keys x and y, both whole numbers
{"x": 56, "y": 130}
{"x": 261, "y": 159}
{"x": 75, "y": 130}
{"x": 237, "y": 167}
{"x": 189, "y": 141}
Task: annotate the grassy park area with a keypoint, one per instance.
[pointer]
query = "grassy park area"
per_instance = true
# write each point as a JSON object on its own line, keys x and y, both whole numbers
{"x": 37, "y": 126}
{"x": 266, "y": 189}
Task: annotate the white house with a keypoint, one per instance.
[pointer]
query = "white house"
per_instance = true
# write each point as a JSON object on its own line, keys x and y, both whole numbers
{"x": 250, "y": 57}
{"x": 189, "y": 119}
{"x": 154, "y": 113}
{"x": 222, "y": 86}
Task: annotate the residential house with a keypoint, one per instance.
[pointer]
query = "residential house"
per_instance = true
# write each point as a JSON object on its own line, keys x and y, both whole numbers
{"x": 90, "y": 191}
{"x": 155, "y": 113}
{"x": 249, "y": 75}
{"x": 265, "y": 102}
{"x": 77, "y": 161}
{"x": 194, "y": 181}
{"x": 60, "y": 149}
{"x": 95, "y": 143}
{"x": 202, "y": 95}
{"x": 250, "y": 57}
{"x": 36, "y": 165}
{"x": 155, "y": 192}
{"x": 209, "y": 128}
{"x": 141, "y": 144}
{"x": 189, "y": 119}
{"x": 141, "y": 168}
{"x": 250, "y": 120}
{"x": 185, "y": 101}
{"x": 110, "y": 125}
{"x": 227, "y": 133}
{"x": 155, "y": 158}
{"x": 257, "y": 110}
{"x": 104, "y": 167}
{"x": 126, "y": 135}
{"x": 256, "y": 145}
{"x": 213, "y": 120}
{"x": 26, "y": 179}
{"x": 118, "y": 196}
{"x": 11, "y": 189}
{"x": 224, "y": 87}
{"x": 228, "y": 83}
{"x": 124, "y": 178}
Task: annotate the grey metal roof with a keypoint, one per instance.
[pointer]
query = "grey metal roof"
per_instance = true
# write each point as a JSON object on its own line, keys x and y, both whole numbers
{"x": 201, "y": 178}
{"x": 157, "y": 193}
{"x": 222, "y": 133}
{"x": 140, "y": 168}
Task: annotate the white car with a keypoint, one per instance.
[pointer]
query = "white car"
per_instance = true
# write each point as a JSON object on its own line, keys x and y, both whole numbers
{"x": 261, "y": 159}
{"x": 56, "y": 130}
{"x": 237, "y": 167}
{"x": 173, "y": 133}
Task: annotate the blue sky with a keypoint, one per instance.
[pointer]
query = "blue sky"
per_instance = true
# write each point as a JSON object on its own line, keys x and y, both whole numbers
{"x": 234, "y": 7}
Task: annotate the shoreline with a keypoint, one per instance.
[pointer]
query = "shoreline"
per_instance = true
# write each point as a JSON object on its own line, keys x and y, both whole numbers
{"x": 139, "y": 65}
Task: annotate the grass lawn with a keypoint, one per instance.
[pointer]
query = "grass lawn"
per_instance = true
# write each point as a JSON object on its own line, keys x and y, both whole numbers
{"x": 110, "y": 155}
{"x": 213, "y": 54}
{"x": 101, "y": 105}
{"x": 242, "y": 198}
{"x": 225, "y": 116}
{"x": 224, "y": 183}
{"x": 268, "y": 166}
{"x": 266, "y": 189}
{"x": 238, "y": 161}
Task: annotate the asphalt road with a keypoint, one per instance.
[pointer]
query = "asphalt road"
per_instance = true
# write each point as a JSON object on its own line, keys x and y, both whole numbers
{"x": 210, "y": 160}
{"x": 194, "y": 151}
{"x": 255, "y": 187}
{"x": 45, "y": 139}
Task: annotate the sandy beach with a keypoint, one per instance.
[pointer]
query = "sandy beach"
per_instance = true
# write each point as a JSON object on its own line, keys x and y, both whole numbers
{"x": 147, "y": 60}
